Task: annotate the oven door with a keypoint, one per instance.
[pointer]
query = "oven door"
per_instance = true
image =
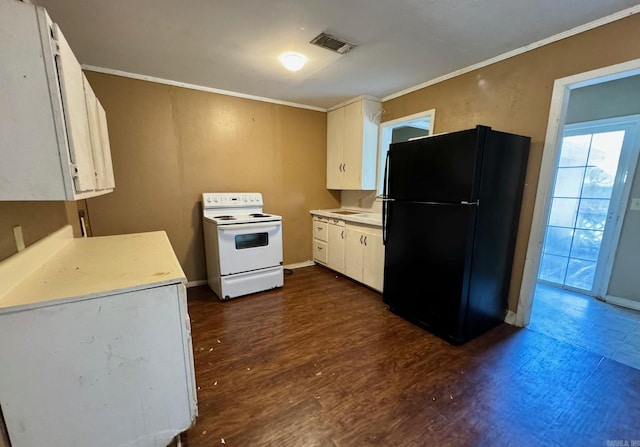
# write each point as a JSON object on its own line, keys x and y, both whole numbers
{"x": 249, "y": 246}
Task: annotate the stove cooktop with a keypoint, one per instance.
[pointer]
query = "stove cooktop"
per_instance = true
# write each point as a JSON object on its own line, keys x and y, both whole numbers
{"x": 241, "y": 219}
{"x": 235, "y": 208}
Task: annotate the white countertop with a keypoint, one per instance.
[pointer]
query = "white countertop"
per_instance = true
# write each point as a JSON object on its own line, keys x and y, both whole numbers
{"x": 61, "y": 267}
{"x": 359, "y": 216}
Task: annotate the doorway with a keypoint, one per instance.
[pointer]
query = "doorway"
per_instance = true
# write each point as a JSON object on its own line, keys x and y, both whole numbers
{"x": 588, "y": 199}
{"x": 583, "y": 215}
{"x": 562, "y": 89}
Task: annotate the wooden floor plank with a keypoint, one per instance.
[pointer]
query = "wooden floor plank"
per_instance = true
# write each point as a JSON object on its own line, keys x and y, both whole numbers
{"x": 321, "y": 362}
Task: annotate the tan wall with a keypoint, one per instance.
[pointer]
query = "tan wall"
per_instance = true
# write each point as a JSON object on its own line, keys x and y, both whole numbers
{"x": 37, "y": 219}
{"x": 170, "y": 144}
{"x": 515, "y": 95}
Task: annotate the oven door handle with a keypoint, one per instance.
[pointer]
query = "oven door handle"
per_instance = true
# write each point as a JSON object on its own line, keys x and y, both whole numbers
{"x": 249, "y": 226}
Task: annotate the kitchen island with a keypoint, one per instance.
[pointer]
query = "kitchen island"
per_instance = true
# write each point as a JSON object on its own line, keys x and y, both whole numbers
{"x": 95, "y": 342}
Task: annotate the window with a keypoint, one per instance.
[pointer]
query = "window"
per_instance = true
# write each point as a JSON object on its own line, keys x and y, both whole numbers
{"x": 244, "y": 241}
{"x": 418, "y": 125}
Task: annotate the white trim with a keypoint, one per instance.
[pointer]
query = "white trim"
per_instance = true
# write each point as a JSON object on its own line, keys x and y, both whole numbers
{"x": 384, "y": 139}
{"x": 352, "y": 100}
{"x": 200, "y": 282}
{"x": 557, "y": 115}
{"x": 218, "y": 91}
{"x": 532, "y": 46}
{"x": 299, "y": 265}
{"x": 623, "y": 302}
{"x": 510, "y": 318}
{"x": 414, "y": 116}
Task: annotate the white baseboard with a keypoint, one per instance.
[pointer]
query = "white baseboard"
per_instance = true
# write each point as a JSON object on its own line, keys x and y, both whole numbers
{"x": 299, "y": 265}
{"x": 622, "y": 302}
{"x": 510, "y": 318}
{"x": 200, "y": 282}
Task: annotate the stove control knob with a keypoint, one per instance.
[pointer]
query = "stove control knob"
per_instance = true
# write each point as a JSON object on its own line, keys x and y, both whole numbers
{"x": 208, "y": 199}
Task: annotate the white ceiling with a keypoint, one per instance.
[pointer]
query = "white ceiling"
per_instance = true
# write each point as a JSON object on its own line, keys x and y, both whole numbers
{"x": 233, "y": 45}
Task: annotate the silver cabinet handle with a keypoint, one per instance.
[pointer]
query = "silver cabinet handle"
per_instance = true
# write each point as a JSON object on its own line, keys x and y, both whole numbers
{"x": 320, "y": 228}
{"x": 319, "y": 248}
{"x": 361, "y": 236}
{"x": 344, "y": 167}
{"x": 342, "y": 234}
{"x": 365, "y": 240}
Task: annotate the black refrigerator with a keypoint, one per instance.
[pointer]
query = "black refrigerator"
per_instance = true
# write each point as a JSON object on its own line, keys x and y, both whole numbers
{"x": 450, "y": 217}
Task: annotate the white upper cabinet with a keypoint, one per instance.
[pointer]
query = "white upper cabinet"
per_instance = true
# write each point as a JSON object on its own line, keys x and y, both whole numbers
{"x": 352, "y": 145}
{"x": 99, "y": 140}
{"x": 53, "y": 131}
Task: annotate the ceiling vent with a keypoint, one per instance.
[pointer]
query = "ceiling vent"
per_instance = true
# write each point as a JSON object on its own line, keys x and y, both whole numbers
{"x": 332, "y": 43}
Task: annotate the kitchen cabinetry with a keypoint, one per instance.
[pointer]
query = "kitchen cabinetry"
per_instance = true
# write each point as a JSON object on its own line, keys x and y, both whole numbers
{"x": 335, "y": 242}
{"x": 353, "y": 249}
{"x": 352, "y": 145}
{"x": 364, "y": 255}
{"x": 328, "y": 242}
{"x": 95, "y": 334}
{"x": 53, "y": 134}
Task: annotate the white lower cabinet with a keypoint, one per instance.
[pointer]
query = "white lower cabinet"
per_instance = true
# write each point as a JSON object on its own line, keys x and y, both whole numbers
{"x": 328, "y": 242}
{"x": 335, "y": 243}
{"x": 364, "y": 255}
{"x": 95, "y": 342}
{"x": 354, "y": 250}
{"x": 373, "y": 261}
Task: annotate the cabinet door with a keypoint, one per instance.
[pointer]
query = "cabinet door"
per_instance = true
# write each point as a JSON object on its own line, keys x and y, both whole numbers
{"x": 109, "y": 180}
{"x": 353, "y": 248}
{"x": 75, "y": 114}
{"x": 335, "y": 143}
{"x": 99, "y": 139}
{"x": 320, "y": 251}
{"x": 373, "y": 262}
{"x": 335, "y": 259}
{"x": 94, "y": 133}
{"x": 352, "y": 151}
{"x": 320, "y": 230}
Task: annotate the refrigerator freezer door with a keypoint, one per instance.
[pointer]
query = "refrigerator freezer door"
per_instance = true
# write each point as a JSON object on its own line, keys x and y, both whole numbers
{"x": 441, "y": 168}
{"x": 427, "y": 264}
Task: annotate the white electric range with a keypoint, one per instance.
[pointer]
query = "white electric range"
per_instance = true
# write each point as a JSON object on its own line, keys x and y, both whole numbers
{"x": 243, "y": 245}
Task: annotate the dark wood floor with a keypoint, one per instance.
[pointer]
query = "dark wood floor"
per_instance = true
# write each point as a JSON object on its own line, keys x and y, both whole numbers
{"x": 321, "y": 362}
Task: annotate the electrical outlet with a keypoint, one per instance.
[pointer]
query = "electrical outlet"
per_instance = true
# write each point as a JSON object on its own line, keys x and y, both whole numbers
{"x": 635, "y": 203}
{"x": 17, "y": 236}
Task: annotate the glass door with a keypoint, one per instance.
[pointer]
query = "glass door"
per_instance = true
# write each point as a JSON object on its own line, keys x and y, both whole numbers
{"x": 590, "y": 177}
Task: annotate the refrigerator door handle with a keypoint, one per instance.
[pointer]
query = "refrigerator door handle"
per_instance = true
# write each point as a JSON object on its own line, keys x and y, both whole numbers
{"x": 385, "y": 197}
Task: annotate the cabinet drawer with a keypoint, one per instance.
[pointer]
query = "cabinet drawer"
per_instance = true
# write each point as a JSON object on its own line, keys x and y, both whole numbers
{"x": 320, "y": 251}
{"x": 320, "y": 230}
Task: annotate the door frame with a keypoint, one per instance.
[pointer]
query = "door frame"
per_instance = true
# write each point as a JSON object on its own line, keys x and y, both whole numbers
{"x": 551, "y": 150}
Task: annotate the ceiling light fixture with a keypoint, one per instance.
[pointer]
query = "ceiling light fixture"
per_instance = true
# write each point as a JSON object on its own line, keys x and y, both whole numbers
{"x": 292, "y": 61}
